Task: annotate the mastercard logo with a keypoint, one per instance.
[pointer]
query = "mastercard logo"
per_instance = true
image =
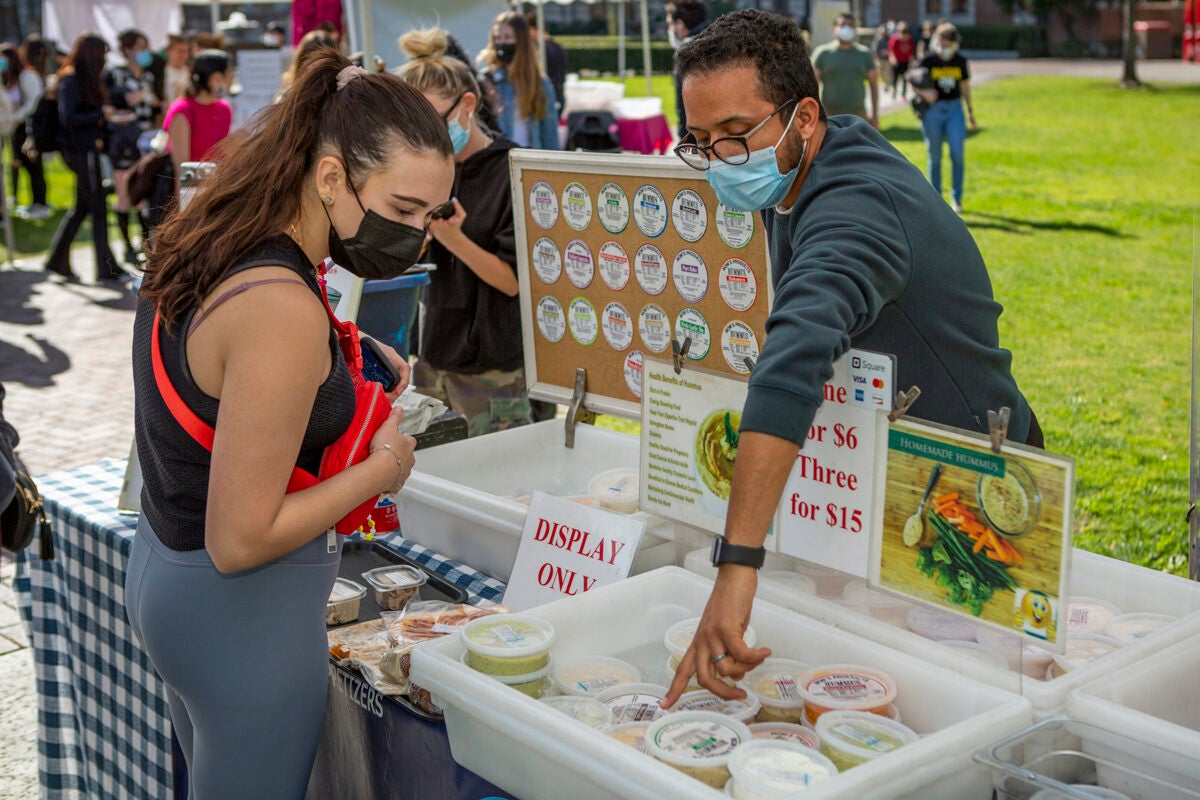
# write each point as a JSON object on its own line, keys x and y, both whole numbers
{"x": 877, "y": 383}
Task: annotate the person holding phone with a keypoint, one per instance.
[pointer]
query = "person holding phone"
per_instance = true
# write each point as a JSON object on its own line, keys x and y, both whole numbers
{"x": 469, "y": 342}
{"x": 230, "y": 572}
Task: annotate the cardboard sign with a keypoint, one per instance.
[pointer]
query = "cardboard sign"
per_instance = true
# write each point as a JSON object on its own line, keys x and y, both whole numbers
{"x": 827, "y": 506}
{"x": 992, "y": 540}
{"x": 568, "y": 548}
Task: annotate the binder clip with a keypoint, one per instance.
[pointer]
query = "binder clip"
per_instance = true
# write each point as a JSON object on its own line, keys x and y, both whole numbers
{"x": 998, "y": 426}
{"x": 903, "y": 403}
{"x": 749, "y": 362}
{"x": 679, "y": 353}
{"x": 576, "y": 406}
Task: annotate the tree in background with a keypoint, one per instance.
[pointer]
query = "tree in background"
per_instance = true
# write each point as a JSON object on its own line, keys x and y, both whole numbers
{"x": 1069, "y": 13}
{"x": 1129, "y": 78}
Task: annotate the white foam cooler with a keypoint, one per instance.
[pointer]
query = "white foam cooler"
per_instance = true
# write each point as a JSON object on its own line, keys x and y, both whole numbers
{"x": 460, "y": 499}
{"x": 537, "y": 753}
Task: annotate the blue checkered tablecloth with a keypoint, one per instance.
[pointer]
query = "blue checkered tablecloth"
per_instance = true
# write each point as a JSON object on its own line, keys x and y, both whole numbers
{"x": 104, "y": 729}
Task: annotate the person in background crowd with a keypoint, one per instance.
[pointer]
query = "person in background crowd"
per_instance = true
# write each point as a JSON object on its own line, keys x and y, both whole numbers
{"x": 36, "y": 56}
{"x": 275, "y": 35}
{"x": 202, "y": 40}
{"x": 177, "y": 75}
{"x": 943, "y": 120}
{"x": 84, "y": 111}
{"x": 197, "y": 122}
{"x": 469, "y": 342}
{"x": 311, "y": 15}
{"x": 483, "y": 110}
{"x": 685, "y": 20}
{"x": 879, "y": 48}
{"x": 520, "y": 94}
{"x": 229, "y": 573}
{"x": 134, "y": 94}
{"x": 862, "y": 255}
{"x": 556, "y": 59}
{"x": 923, "y": 41}
{"x": 11, "y": 68}
{"x": 312, "y": 43}
{"x": 902, "y": 49}
{"x": 842, "y": 67}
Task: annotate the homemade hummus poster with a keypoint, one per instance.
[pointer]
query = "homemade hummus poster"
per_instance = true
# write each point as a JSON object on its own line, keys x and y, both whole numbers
{"x": 976, "y": 532}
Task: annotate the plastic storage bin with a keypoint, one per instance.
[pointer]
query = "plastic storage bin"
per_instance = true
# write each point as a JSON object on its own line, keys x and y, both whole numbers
{"x": 460, "y": 500}
{"x": 387, "y": 309}
{"x": 537, "y": 755}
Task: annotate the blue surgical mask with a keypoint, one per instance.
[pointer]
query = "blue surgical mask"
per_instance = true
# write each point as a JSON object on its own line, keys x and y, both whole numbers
{"x": 756, "y": 184}
{"x": 145, "y": 58}
{"x": 459, "y": 135}
{"x": 3, "y": 64}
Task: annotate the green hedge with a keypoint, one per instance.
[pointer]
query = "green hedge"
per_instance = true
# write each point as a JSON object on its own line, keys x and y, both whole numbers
{"x": 599, "y": 53}
{"x": 1022, "y": 38}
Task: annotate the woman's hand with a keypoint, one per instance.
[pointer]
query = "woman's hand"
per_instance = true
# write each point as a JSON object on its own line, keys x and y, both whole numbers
{"x": 389, "y": 443}
{"x": 449, "y": 229}
{"x": 402, "y": 366}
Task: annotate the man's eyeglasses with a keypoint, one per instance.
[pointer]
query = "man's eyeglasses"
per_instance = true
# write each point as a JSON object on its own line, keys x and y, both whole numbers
{"x": 733, "y": 150}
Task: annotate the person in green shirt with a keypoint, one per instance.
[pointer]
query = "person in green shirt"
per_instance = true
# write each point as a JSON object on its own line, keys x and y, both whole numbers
{"x": 842, "y": 67}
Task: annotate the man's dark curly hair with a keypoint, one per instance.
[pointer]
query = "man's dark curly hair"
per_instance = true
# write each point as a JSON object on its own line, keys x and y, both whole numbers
{"x": 769, "y": 42}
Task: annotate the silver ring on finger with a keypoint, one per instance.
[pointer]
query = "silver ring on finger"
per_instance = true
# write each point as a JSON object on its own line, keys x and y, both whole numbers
{"x": 719, "y": 656}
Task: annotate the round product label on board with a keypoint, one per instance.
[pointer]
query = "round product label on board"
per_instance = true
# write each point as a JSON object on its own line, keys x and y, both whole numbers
{"x": 579, "y": 265}
{"x": 551, "y": 320}
{"x": 543, "y": 205}
{"x": 577, "y": 206}
{"x": 581, "y": 318}
{"x": 690, "y": 276}
{"x": 736, "y": 228}
{"x": 691, "y": 323}
{"x": 738, "y": 343}
{"x": 650, "y": 266}
{"x": 617, "y": 326}
{"x": 689, "y": 216}
{"x": 650, "y": 210}
{"x": 612, "y": 206}
{"x": 547, "y": 261}
{"x": 739, "y": 287}
{"x": 634, "y": 361}
{"x": 614, "y": 266}
{"x": 655, "y": 328}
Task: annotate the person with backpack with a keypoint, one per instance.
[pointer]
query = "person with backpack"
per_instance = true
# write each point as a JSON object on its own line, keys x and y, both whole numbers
{"x": 35, "y": 55}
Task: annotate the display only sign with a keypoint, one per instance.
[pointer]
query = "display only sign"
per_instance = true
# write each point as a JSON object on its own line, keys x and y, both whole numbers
{"x": 567, "y": 549}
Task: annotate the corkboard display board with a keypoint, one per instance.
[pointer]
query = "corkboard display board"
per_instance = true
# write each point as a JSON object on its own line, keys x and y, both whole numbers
{"x": 617, "y": 255}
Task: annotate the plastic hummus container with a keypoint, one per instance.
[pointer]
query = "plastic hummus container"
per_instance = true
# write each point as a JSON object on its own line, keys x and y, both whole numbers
{"x": 536, "y": 684}
{"x": 1022, "y": 657}
{"x": 588, "y": 710}
{"x": 616, "y": 489}
{"x": 1083, "y": 649}
{"x": 1089, "y": 615}
{"x": 697, "y": 743}
{"x": 395, "y": 586}
{"x": 632, "y": 734}
{"x": 880, "y": 605}
{"x": 634, "y": 702}
{"x": 593, "y": 675}
{"x": 678, "y": 637}
{"x": 508, "y": 644}
{"x": 344, "y": 599}
{"x": 772, "y": 770}
{"x": 845, "y": 687}
{"x": 776, "y": 685}
{"x": 940, "y": 627}
{"x": 787, "y": 732}
{"x": 790, "y": 581}
{"x": 743, "y": 711}
{"x": 851, "y": 738}
{"x": 1129, "y": 628}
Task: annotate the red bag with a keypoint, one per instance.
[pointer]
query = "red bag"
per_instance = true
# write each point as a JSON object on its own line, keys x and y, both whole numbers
{"x": 371, "y": 409}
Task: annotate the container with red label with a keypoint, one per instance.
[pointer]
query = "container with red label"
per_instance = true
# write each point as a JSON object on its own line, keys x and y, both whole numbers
{"x": 846, "y": 687}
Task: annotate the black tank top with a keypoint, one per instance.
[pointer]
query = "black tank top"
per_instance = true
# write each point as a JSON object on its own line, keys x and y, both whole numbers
{"x": 175, "y": 467}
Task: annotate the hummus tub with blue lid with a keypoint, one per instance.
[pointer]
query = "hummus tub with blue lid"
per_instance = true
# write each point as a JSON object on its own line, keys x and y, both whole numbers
{"x": 508, "y": 644}
{"x": 1129, "y": 628}
{"x": 773, "y": 770}
{"x": 616, "y": 489}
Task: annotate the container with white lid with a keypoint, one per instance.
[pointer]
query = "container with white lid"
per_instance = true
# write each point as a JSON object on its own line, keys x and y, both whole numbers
{"x": 1084, "y": 648}
{"x": 788, "y": 581}
{"x": 697, "y": 743}
{"x": 536, "y": 684}
{"x": 829, "y": 582}
{"x": 344, "y": 600}
{"x": 395, "y": 585}
{"x": 939, "y": 626}
{"x": 1022, "y": 656}
{"x": 632, "y": 734}
{"x": 508, "y": 644}
{"x": 634, "y": 702}
{"x": 846, "y": 687}
{"x": 616, "y": 489}
{"x": 588, "y": 710}
{"x": 1089, "y": 614}
{"x": 678, "y": 637}
{"x": 1129, "y": 628}
{"x": 776, "y": 685}
{"x": 743, "y": 711}
{"x": 787, "y": 732}
{"x": 982, "y": 653}
{"x": 851, "y": 738}
{"x": 595, "y": 674}
{"x": 773, "y": 770}
{"x": 880, "y": 605}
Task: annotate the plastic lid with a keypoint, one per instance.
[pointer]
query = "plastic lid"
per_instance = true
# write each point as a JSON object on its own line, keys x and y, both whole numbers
{"x": 776, "y": 682}
{"x": 859, "y": 592}
{"x": 792, "y": 581}
{"x": 595, "y": 674}
{"x": 979, "y": 652}
{"x": 1129, "y": 628}
{"x": 678, "y": 637}
{"x": 847, "y": 686}
{"x": 695, "y": 738}
{"x": 635, "y": 702}
{"x": 344, "y": 589}
{"x": 616, "y": 488}
{"x": 508, "y": 635}
{"x": 1016, "y": 651}
{"x": 588, "y": 710}
{"x": 1089, "y": 614}
{"x": 862, "y": 736}
{"x": 1084, "y": 648}
{"x": 777, "y": 768}
{"x": 940, "y": 627}
{"x": 513, "y": 680}
{"x": 397, "y": 576}
{"x": 787, "y": 732}
{"x": 631, "y": 733}
{"x": 705, "y": 700}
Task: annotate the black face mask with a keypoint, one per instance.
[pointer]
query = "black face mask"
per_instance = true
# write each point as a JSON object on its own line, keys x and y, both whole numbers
{"x": 505, "y": 53}
{"x": 381, "y": 249}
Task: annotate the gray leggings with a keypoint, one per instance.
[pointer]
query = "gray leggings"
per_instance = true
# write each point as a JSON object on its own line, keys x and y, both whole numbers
{"x": 244, "y": 658}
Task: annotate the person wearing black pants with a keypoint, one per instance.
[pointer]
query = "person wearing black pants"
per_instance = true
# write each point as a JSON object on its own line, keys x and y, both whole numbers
{"x": 83, "y": 111}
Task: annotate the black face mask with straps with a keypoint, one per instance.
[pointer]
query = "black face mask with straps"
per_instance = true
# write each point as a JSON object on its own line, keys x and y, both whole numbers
{"x": 381, "y": 249}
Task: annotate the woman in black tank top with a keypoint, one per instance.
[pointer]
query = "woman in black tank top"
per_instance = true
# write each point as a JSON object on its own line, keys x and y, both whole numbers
{"x": 229, "y": 574}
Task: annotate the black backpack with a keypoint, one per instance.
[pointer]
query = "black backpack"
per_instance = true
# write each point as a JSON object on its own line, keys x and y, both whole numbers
{"x": 22, "y": 515}
{"x": 594, "y": 131}
{"x": 45, "y": 127}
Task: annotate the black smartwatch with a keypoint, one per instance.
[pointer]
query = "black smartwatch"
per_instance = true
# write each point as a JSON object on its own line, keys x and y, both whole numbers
{"x": 724, "y": 553}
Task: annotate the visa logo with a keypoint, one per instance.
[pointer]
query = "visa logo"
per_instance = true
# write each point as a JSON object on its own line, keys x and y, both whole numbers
{"x": 859, "y": 379}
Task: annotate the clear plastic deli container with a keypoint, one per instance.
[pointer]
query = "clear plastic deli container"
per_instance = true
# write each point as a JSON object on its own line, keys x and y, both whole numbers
{"x": 697, "y": 743}
{"x": 768, "y": 769}
{"x": 593, "y": 675}
{"x": 508, "y": 644}
{"x": 851, "y": 738}
{"x": 343, "y": 603}
{"x": 635, "y": 702}
{"x": 536, "y": 684}
{"x": 743, "y": 711}
{"x": 846, "y": 687}
{"x": 787, "y": 732}
{"x": 776, "y": 685}
{"x": 395, "y": 585}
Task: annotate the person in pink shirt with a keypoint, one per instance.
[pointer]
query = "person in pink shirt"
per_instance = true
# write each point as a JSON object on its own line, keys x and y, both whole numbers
{"x": 201, "y": 118}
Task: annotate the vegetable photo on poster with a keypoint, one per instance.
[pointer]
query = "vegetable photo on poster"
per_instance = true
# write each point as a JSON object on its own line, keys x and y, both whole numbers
{"x": 976, "y": 532}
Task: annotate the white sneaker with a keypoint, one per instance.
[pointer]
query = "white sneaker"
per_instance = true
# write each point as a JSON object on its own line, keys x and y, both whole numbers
{"x": 956, "y": 207}
{"x": 38, "y": 212}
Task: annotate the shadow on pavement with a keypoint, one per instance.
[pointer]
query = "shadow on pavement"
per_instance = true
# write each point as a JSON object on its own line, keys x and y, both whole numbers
{"x": 35, "y": 371}
{"x": 16, "y": 290}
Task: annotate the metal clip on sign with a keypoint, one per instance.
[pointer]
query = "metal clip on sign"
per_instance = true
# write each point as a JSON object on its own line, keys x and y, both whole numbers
{"x": 576, "y": 405}
{"x": 904, "y": 401}
{"x": 749, "y": 362}
{"x": 998, "y": 427}
{"x": 678, "y": 354}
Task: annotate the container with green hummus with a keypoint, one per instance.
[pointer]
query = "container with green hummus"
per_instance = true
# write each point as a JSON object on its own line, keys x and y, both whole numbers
{"x": 508, "y": 644}
{"x": 850, "y": 738}
{"x": 697, "y": 743}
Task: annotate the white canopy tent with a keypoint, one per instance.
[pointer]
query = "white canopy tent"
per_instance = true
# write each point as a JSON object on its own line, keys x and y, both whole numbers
{"x": 63, "y": 20}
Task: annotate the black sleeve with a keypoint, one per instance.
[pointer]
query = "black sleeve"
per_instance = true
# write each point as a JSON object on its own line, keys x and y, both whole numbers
{"x": 72, "y": 113}
{"x": 966, "y": 70}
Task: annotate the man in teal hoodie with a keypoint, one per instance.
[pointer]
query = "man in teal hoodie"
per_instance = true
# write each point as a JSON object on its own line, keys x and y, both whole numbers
{"x": 864, "y": 254}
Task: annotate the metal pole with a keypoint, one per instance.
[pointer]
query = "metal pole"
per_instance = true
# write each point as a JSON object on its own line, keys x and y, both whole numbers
{"x": 646, "y": 47}
{"x": 215, "y": 14}
{"x": 352, "y": 12}
{"x": 541, "y": 25}
{"x": 367, "y": 23}
{"x": 621, "y": 38}
{"x": 1194, "y": 461}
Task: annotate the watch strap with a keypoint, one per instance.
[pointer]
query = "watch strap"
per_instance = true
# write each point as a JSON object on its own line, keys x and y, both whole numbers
{"x": 725, "y": 553}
